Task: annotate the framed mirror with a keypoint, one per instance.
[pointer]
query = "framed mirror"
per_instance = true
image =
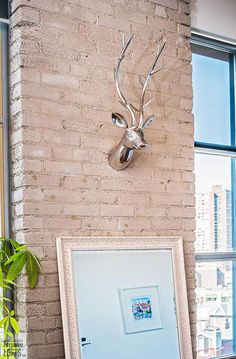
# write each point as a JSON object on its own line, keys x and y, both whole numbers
{"x": 124, "y": 297}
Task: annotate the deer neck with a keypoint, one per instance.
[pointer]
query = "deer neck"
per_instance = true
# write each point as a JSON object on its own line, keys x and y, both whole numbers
{"x": 120, "y": 156}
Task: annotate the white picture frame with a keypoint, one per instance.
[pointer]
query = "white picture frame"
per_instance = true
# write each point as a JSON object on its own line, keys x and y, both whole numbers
{"x": 67, "y": 246}
{"x": 141, "y": 309}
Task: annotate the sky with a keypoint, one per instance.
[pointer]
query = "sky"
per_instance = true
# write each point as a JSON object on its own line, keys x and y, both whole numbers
{"x": 211, "y": 102}
{"x": 212, "y": 170}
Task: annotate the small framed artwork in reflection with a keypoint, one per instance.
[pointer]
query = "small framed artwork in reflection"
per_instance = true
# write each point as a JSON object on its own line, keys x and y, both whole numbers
{"x": 141, "y": 309}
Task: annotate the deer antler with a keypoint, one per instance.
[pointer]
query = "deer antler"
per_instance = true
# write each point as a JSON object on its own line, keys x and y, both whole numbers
{"x": 123, "y": 100}
{"x": 144, "y": 83}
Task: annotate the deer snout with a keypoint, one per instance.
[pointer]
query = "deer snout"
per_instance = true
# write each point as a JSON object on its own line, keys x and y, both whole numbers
{"x": 143, "y": 144}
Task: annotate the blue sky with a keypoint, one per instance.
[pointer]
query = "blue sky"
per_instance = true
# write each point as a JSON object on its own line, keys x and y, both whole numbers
{"x": 211, "y": 105}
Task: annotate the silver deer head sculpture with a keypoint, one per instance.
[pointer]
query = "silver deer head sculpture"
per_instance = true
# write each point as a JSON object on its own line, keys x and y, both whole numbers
{"x": 133, "y": 138}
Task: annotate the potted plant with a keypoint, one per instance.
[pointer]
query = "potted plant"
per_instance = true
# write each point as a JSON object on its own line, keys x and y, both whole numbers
{"x": 14, "y": 257}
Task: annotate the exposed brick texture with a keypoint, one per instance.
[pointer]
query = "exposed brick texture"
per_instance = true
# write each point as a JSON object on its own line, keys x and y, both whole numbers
{"x": 62, "y": 54}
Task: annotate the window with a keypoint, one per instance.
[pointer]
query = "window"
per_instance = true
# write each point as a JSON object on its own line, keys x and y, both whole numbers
{"x": 214, "y": 111}
{"x": 3, "y": 131}
{"x": 4, "y": 9}
{"x": 4, "y": 208}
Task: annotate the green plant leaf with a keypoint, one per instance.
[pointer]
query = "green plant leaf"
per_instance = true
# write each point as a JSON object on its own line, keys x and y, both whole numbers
{"x": 14, "y": 243}
{"x": 12, "y": 258}
{"x": 36, "y": 259}
{"x": 3, "y": 255}
{"x": 5, "y": 299}
{"x": 14, "y": 325}
{"x": 6, "y": 327}
{"x": 16, "y": 267}
{"x": 2, "y": 322}
{"x": 10, "y": 282}
{"x": 32, "y": 269}
{"x": 7, "y": 251}
{"x": 21, "y": 247}
{"x": 6, "y": 309}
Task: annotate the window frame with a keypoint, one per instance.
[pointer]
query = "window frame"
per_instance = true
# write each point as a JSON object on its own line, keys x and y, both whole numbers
{"x": 4, "y": 10}
{"x": 222, "y": 150}
{"x": 226, "y": 151}
{"x": 231, "y": 51}
{"x": 4, "y": 124}
{"x": 4, "y": 140}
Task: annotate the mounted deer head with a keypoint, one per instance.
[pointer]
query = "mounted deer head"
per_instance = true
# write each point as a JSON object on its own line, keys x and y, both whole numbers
{"x": 133, "y": 138}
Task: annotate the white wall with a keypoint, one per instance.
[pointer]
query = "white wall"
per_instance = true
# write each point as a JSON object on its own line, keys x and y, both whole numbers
{"x": 98, "y": 277}
{"x": 216, "y": 17}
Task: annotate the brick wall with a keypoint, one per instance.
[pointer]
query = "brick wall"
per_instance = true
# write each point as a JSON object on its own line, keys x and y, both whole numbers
{"x": 62, "y": 54}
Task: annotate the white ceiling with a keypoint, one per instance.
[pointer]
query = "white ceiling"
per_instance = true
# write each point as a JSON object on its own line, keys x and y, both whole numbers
{"x": 215, "y": 17}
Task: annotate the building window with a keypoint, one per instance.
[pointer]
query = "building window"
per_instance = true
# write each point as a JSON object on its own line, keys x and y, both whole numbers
{"x": 214, "y": 112}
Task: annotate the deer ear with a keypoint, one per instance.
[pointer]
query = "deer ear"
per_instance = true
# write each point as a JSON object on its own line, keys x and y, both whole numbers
{"x": 148, "y": 122}
{"x": 119, "y": 120}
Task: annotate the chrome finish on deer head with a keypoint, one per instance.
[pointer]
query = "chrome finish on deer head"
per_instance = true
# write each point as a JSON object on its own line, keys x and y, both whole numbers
{"x": 133, "y": 138}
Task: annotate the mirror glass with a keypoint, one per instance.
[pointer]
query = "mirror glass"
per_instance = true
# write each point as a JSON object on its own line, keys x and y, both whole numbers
{"x": 125, "y": 302}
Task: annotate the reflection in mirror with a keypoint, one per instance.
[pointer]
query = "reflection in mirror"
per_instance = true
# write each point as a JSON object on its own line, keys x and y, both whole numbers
{"x": 126, "y": 300}
{"x": 123, "y": 299}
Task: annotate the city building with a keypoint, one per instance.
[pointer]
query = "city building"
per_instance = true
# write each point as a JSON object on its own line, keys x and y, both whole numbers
{"x": 214, "y": 220}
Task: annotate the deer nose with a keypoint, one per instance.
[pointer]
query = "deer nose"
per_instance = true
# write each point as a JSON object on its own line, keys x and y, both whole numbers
{"x": 143, "y": 145}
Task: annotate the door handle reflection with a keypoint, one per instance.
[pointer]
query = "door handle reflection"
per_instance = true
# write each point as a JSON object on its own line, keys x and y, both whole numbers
{"x": 85, "y": 341}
